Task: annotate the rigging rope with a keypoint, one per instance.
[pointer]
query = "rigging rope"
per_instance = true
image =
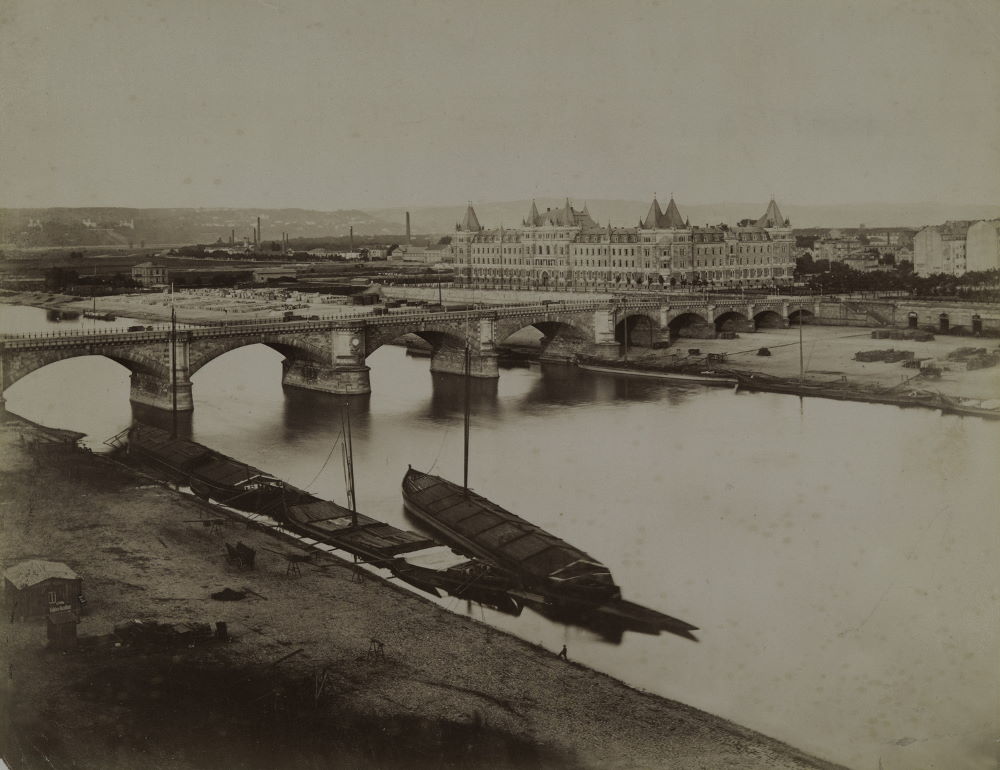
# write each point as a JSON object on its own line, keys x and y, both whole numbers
{"x": 438, "y": 455}
{"x": 327, "y": 460}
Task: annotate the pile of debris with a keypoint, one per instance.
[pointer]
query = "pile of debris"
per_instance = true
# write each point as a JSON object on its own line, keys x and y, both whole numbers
{"x": 917, "y": 335}
{"x": 149, "y": 633}
{"x": 890, "y": 356}
{"x": 975, "y": 358}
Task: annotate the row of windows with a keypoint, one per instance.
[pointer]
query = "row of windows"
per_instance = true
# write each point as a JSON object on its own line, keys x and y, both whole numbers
{"x": 679, "y": 261}
{"x": 609, "y": 277}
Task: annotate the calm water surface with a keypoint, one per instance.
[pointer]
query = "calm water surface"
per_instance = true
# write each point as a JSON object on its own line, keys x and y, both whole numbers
{"x": 839, "y": 558}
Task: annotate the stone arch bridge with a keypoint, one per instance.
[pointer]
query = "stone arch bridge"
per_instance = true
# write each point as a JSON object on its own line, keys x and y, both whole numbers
{"x": 329, "y": 354}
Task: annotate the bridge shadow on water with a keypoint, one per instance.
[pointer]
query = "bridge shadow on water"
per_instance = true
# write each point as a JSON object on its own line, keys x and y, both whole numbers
{"x": 164, "y": 419}
{"x": 448, "y": 396}
{"x": 566, "y": 385}
{"x": 302, "y": 409}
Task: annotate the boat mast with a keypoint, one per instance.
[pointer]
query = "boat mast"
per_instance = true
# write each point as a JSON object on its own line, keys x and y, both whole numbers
{"x": 468, "y": 414}
{"x": 173, "y": 371}
{"x": 349, "y": 463}
{"x": 802, "y": 367}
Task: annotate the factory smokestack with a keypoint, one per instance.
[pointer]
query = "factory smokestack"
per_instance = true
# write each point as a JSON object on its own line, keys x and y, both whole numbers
{"x": 260, "y": 235}
{"x": 232, "y": 237}
{"x": 352, "y": 237}
{"x": 407, "y": 228}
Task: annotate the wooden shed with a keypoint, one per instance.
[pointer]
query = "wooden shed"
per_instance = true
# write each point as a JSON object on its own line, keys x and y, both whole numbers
{"x": 32, "y": 586}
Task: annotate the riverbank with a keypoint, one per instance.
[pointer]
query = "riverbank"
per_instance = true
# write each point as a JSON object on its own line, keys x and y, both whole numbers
{"x": 828, "y": 368}
{"x": 196, "y": 306}
{"x": 449, "y": 691}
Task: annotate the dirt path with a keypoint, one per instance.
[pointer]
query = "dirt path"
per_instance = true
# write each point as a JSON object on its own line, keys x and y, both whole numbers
{"x": 449, "y": 692}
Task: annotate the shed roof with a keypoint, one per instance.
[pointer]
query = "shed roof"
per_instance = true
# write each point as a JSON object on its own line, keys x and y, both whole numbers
{"x": 34, "y": 571}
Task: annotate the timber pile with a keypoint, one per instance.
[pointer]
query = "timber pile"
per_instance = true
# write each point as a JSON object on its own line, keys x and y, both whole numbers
{"x": 889, "y": 356}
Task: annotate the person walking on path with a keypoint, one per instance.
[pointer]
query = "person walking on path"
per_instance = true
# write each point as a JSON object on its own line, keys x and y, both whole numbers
{"x": 562, "y": 653}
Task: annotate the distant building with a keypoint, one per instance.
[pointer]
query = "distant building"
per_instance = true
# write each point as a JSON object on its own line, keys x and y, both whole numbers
{"x": 566, "y": 248}
{"x": 32, "y": 586}
{"x": 267, "y": 274}
{"x": 147, "y": 274}
{"x": 941, "y": 249}
{"x": 982, "y": 246}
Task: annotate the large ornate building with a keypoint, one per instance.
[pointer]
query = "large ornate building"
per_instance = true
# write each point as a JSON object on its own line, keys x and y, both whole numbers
{"x": 566, "y": 249}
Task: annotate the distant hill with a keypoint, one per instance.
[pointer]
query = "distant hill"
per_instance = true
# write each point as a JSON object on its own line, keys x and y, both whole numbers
{"x": 622, "y": 213}
{"x": 128, "y": 226}
{"x": 110, "y": 226}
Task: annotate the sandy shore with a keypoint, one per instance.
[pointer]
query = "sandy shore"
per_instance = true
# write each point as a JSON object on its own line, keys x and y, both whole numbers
{"x": 828, "y": 359}
{"x": 449, "y": 691}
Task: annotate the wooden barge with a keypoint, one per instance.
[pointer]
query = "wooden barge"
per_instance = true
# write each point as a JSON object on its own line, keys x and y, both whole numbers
{"x": 480, "y": 528}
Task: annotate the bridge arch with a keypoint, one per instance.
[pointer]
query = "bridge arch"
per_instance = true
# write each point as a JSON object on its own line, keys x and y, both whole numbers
{"x": 31, "y": 361}
{"x": 450, "y": 336}
{"x": 637, "y": 327}
{"x": 768, "y": 319}
{"x": 202, "y": 352}
{"x": 731, "y": 321}
{"x": 685, "y": 325}
{"x": 801, "y": 315}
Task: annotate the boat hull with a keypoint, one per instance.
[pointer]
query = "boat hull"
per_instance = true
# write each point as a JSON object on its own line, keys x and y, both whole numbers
{"x": 479, "y": 528}
{"x": 694, "y": 379}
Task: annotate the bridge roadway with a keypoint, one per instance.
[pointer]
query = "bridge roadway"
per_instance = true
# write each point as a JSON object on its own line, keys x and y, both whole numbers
{"x": 328, "y": 354}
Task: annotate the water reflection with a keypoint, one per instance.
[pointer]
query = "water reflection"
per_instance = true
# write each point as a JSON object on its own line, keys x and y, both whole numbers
{"x": 182, "y": 425}
{"x": 448, "y": 396}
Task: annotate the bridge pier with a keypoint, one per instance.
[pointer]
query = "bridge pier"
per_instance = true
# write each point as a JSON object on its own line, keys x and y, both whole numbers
{"x": 348, "y": 380}
{"x": 452, "y": 361}
{"x": 154, "y": 391}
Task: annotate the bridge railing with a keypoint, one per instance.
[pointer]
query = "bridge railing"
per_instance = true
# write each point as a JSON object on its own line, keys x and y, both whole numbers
{"x": 156, "y": 332}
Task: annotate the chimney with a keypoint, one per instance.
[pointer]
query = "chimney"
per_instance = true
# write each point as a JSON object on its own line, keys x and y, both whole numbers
{"x": 352, "y": 237}
{"x": 260, "y": 236}
{"x": 232, "y": 237}
{"x": 407, "y": 228}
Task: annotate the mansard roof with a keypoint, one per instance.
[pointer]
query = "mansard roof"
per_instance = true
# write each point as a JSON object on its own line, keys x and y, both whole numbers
{"x": 566, "y": 216}
{"x": 471, "y": 222}
{"x": 657, "y": 219}
{"x": 772, "y": 217}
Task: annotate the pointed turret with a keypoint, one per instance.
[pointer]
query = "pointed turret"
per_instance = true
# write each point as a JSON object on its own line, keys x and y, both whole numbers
{"x": 672, "y": 217}
{"x": 470, "y": 223}
{"x": 652, "y": 220}
{"x": 772, "y": 217}
{"x": 533, "y": 215}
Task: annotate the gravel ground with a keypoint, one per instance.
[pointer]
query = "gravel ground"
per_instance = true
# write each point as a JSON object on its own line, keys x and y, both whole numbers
{"x": 828, "y": 353}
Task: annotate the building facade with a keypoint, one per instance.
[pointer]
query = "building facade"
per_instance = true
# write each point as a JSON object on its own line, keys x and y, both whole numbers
{"x": 940, "y": 249}
{"x": 566, "y": 249}
{"x": 147, "y": 274}
{"x": 982, "y": 246}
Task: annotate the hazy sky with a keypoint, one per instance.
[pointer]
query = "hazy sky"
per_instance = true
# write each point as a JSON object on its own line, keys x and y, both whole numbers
{"x": 322, "y": 104}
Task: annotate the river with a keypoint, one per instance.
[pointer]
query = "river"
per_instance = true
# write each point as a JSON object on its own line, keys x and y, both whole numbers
{"x": 839, "y": 558}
